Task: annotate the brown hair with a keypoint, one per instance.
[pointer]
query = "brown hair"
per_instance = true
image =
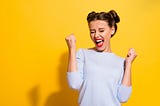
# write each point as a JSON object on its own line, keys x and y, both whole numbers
{"x": 110, "y": 17}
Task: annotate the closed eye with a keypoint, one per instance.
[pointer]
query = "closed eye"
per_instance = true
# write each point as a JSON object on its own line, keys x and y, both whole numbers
{"x": 92, "y": 32}
{"x": 101, "y": 31}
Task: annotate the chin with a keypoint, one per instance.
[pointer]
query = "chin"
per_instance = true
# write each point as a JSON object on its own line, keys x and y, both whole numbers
{"x": 100, "y": 49}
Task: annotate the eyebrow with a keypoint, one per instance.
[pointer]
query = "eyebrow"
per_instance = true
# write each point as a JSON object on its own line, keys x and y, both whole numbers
{"x": 94, "y": 29}
{"x": 101, "y": 28}
{"x": 91, "y": 29}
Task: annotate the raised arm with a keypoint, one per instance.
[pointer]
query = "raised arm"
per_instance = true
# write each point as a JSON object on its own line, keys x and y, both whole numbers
{"x": 75, "y": 64}
{"x": 126, "y": 81}
{"x": 125, "y": 88}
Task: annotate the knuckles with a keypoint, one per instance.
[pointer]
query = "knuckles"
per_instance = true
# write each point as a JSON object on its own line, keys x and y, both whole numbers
{"x": 71, "y": 41}
{"x": 131, "y": 54}
{"x": 70, "y": 38}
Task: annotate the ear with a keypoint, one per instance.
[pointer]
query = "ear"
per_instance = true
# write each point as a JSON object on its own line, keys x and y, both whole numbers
{"x": 112, "y": 30}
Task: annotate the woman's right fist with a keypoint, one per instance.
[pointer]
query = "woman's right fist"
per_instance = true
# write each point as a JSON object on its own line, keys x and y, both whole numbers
{"x": 71, "y": 41}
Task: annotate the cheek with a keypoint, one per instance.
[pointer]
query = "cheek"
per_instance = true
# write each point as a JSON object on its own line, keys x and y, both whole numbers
{"x": 92, "y": 36}
{"x": 107, "y": 35}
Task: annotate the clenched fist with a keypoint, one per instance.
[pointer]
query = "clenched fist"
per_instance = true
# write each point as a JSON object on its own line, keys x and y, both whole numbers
{"x": 131, "y": 56}
{"x": 71, "y": 41}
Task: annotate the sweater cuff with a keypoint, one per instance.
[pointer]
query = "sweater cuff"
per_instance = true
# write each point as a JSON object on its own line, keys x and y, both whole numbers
{"x": 124, "y": 93}
{"x": 74, "y": 79}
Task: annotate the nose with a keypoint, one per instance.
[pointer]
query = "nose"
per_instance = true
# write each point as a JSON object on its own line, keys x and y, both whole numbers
{"x": 96, "y": 35}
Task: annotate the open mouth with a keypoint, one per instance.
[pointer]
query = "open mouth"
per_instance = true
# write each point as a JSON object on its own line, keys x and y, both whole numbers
{"x": 99, "y": 42}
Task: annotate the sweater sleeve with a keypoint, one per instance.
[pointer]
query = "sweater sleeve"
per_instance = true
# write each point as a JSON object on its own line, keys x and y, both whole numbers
{"x": 75, "y": 78}
{"x": 123, "y": 92}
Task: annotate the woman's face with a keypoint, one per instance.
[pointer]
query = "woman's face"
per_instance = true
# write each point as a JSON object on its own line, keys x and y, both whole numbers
{"x": 100, "y": 33}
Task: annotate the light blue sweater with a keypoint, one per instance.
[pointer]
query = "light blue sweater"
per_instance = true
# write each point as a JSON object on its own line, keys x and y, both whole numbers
{"x": 98, "y": 79}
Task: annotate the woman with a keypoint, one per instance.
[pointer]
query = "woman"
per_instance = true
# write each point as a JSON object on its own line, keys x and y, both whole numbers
{"x": 102, "y": 77}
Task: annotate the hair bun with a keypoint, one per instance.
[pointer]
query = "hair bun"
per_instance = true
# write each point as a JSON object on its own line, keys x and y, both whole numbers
{"x": 114, "y": 15}
{"x": 91, "y": 15}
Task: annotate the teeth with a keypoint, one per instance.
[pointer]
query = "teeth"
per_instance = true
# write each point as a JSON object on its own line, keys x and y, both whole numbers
{"x": 98, "y": 40}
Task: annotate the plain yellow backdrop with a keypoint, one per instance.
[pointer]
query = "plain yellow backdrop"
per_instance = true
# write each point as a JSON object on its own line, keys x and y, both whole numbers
{"x": 33, "y": 56}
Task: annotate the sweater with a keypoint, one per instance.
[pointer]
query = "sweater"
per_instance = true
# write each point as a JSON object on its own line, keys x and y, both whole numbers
{"x": 99, "y": 78}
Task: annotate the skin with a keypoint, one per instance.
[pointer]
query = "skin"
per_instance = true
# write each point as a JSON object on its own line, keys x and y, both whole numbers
{"x": 100, "y": 29}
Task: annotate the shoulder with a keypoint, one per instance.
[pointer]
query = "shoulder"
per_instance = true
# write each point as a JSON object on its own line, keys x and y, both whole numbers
{"x": 86, "y": 51}
{"x": 119, "y": 58}
{"x": 82, "y": 50}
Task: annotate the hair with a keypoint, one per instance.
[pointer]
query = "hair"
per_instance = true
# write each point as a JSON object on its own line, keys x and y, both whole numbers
{"x": 110, "y": 17}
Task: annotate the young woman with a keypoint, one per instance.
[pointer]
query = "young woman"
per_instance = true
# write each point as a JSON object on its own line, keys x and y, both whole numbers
{"x": 102, "y": 77}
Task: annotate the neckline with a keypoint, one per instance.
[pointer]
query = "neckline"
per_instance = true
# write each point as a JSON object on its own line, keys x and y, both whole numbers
{"x": 91, "y": 49}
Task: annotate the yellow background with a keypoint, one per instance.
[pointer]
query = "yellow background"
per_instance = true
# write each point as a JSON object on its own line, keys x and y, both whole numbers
{"x": 33, "y": 56}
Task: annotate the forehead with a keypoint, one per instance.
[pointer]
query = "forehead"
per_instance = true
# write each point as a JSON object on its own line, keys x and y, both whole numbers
{"x": 98, "y": 23}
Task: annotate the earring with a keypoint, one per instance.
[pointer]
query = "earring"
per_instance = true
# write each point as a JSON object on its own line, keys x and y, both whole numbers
{"x": 112, "y": 32}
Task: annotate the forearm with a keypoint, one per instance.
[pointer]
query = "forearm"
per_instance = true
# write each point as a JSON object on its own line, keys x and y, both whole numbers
{"x": 75, "y": 76}
{"x": 72, "y": 64}
{"x": 127, "y": 80}
{"x": 125, "y": 88}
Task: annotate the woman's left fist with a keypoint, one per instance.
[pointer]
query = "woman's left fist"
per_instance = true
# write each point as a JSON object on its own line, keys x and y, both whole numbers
{"x": 131, "y": 56}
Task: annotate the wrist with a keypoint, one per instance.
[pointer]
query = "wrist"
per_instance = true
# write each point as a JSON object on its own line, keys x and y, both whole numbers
{"x": 128, "y": 63}
{"x": 72, "y": 49}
